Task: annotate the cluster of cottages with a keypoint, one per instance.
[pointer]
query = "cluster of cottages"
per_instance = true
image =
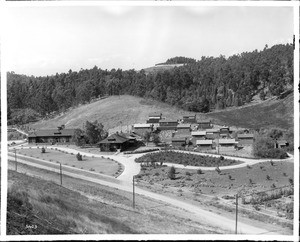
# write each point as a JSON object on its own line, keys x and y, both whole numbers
{"x": 189, "y": 131}
{"x": 185, "y": 132}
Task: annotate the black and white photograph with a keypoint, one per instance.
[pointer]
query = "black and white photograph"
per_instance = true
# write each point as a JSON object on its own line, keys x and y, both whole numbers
{"x": 162, "y": 119}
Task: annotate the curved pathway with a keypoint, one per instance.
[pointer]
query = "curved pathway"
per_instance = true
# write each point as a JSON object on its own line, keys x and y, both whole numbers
{"x": 206, "y": 216}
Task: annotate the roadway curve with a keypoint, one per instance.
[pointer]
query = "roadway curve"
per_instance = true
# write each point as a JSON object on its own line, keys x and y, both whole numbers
{"x": 124, "y": 182}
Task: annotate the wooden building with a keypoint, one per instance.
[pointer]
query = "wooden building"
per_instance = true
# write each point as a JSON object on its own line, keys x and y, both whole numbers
{"x": 281, "y": 144}
{"x": 191, "y": 119}
{"x": 204, "y": 144}
{"x": 52, "y": 136}
{"x": 226, "y": 144}
{"x": 184, "y": 127}
{"x": 179, "y": 141}
{"x": 245, "y": 139}
{"x": 205, "y": 124}
{"x": 212, "y": 133}
{"x": 167, "y": 124}
{"x": 224, "y": 132}
{"x": 154, "y": 118}
{"x": 116, "y": 141}
{"x": 141, "y": 129}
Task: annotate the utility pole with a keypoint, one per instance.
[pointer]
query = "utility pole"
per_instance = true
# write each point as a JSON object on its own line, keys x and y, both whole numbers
{"x": 60, "y": 172}
{"x": 16, "y": 162}
{"x": 133, "y": 200}
{"x": 236, "y": 212}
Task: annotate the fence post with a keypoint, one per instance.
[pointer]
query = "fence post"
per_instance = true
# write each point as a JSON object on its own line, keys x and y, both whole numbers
{"x": 133, "y": 200}
{"x": 236, "y": 212}
{"x": 60, "y": 169}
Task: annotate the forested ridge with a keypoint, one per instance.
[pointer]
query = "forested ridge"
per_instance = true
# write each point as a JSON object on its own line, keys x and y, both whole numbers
{"x": 200, "y": 86}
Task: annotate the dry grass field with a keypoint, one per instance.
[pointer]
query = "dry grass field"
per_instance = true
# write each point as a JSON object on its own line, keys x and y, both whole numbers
{"x": 112, "y": 112}
{"x": 218, "y": 191}
{"x": 86, "y": 208}
{"x": 120, "y": 112}
{"x": 99, "y": 165}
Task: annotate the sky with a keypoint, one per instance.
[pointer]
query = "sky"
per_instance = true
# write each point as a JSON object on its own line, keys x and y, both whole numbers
{"x": 49, "y": 40}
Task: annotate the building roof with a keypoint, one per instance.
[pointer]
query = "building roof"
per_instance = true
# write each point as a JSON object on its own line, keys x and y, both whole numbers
{"x": 198, "y": 133}
{"x": 168, "y": 121}
{"x": 222, "y": 128}
{"x": 282, "y": 142}
{"x": 187, "y": 126}
{"x": 204, "y": 121}
{"x": 245, "y": 136}
{"x": 204, "y": 142}
{"x": 227, "y": 141}
{"x": 51, "y": 133}
{"x": 114, "y": 139}
{"x": 189, "y": 116}
{"x": 179, "y": 139}
{"x": 142, "y": 125}
{"x": 212, "y": 131}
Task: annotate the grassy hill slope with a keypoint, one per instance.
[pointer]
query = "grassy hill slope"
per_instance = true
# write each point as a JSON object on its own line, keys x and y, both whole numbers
{"x": 112, "y": 112}
{"x": 272, "y": 113}
{"x": 121, "y": 111}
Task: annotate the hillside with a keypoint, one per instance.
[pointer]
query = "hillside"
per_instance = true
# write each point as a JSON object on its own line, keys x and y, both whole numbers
{"x": 81, "y": 207}
{"x": 112, "y": 112}
{"x": 272, "y": 113}
{"x": 117, "y": 111}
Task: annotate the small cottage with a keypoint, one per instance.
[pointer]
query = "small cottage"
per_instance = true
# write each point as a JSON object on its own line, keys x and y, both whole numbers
{"x": 204, "y": 144}
{"x": 191, "y": 119}
{"x": 51, "y": 136}
{"x": 141, "y": 129}
{"x": 154, "y": 118}
{"x": 205, "y": 124}
{"x": 245, "y": 139}
{"x": 167, "y": 124}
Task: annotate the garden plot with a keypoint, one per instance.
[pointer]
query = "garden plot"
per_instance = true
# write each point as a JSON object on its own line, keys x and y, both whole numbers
{"x": 99, "y": 165}
{"x": 218, "y": 189}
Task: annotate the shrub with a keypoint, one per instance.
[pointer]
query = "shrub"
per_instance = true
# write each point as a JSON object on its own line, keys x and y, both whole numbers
{"x": 248, "y": 166}
{"x": 250, "y": 181}
{"x": 43, "y": 150}
{"x": 218, "y": 170}
{"x": 171, "y": 173}
{"x": 272, "y": 163}
{"x": 79, "y": 157}
{"x": 199, "y": 171}
{"x": 291, "y": 181}
{"x": 92, "y": 169}
{"x": 284, "y": 174}
{"x": 156, "y": 174}
{"x": 229, "y": 176}
{"x": 273, "y": 186}
{"x": 188, "y": 173}
{"x": 268, "y": 177}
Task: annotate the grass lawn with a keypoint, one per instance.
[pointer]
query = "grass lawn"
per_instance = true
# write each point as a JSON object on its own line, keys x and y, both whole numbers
{"x": 99, "y": 165}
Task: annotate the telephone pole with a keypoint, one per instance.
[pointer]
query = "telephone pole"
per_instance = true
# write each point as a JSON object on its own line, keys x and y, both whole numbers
{"x": 60, "y": 172}
{"x": 236, "y": 212}
{"x": 133, "y": 198}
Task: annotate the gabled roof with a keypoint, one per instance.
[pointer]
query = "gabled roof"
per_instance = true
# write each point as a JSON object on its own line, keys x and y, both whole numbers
{"x": 204, "y": 121}
{"x": 142, "y": 125}
{"x": 168, "y": 121}
{"x": 184, "y": 126}
{"x": 51, "y": 133}
{"x": 227, "y": 141}
{"x": 212, "y": 131}
{"x": 114, "y": 139}
{"x": 204, "y": 142}
{"x": 245, "y": 136}
{"x": 189, "y": 116}
{"x": 282, "y": 142}
{"x": 179, "y": 139}
{"x": 198, "y": 133}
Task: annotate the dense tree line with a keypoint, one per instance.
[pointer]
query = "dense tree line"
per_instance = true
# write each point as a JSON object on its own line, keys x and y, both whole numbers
{"x": 201, "y": 86}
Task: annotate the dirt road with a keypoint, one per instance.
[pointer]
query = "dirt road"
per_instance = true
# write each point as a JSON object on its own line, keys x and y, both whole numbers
{"x": 125, "y": 185}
